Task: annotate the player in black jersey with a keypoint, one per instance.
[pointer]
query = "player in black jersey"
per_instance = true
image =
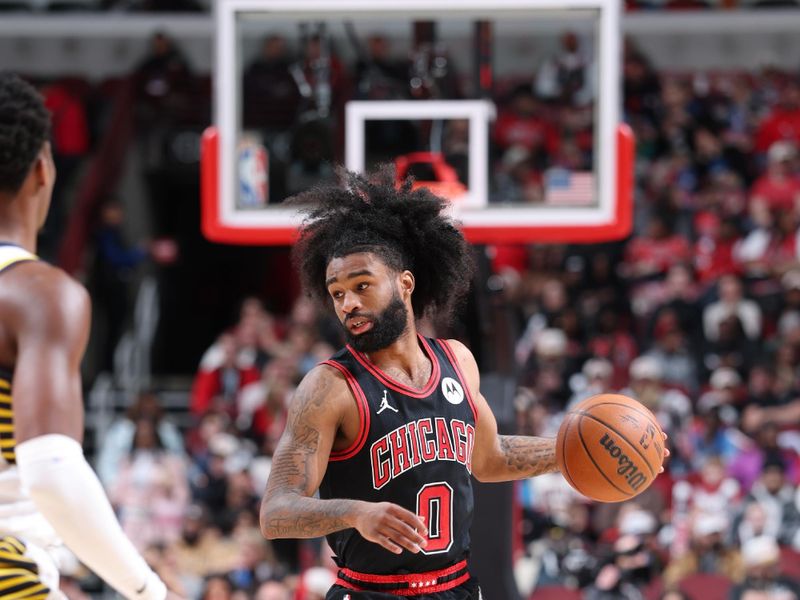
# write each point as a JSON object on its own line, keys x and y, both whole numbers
{"x": 391, "y": 429}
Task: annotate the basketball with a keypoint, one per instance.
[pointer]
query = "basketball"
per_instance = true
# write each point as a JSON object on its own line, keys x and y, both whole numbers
{"x": 610, "y": 447}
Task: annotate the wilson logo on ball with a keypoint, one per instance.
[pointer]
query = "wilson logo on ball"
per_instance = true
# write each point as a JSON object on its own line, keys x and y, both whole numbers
{"x": 627, "y": 468}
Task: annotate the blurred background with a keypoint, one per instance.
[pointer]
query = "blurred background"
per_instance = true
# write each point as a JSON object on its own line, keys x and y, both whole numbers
{"x": 197, "y": 347}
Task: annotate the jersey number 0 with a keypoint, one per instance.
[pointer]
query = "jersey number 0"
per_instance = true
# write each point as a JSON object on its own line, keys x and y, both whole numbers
{"x": 435, "y": 506}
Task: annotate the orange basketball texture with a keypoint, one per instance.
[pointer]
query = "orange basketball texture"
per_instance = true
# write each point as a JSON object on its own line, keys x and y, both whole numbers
{"x": 609, "y": 447}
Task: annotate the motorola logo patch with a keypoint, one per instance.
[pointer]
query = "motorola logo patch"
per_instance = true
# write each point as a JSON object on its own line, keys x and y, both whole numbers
{"x": 452, "y": 390}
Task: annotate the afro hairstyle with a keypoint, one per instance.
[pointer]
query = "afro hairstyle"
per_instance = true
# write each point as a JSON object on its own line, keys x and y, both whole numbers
{"x": 406, "y": 228}
{"x": 24, "y": 128}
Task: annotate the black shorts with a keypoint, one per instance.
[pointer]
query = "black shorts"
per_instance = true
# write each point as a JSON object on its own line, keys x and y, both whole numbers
{"x": 469, "y": 590}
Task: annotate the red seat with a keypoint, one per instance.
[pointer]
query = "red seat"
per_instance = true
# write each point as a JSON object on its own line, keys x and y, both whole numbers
{"x": 708, "y": 586}
{"x": 556, "y": 592}
{"x": 654, "y": 589}
{"x": 790, "y": 562}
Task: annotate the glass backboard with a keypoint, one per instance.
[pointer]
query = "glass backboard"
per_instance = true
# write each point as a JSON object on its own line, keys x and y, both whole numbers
{"x": 509, "y": 109}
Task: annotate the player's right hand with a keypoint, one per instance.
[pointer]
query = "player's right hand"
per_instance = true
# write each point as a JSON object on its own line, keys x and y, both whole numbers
{"x": 392, "y": 526}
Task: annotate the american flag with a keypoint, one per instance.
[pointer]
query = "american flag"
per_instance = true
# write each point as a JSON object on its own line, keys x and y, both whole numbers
{"x": 563, "y": 187}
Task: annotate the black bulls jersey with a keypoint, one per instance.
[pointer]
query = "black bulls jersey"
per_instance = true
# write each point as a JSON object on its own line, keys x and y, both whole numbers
{"x": 415, "y": 450}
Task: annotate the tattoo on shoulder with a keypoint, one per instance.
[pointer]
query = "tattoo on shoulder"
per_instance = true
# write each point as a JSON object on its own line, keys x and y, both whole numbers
{"x": 293, "y": 462}
{"x": 288, "y": 510}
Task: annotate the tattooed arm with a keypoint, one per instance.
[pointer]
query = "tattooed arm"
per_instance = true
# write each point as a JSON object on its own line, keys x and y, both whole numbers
{"x": 501, "y": 457}
{"x": 322, "y": 413}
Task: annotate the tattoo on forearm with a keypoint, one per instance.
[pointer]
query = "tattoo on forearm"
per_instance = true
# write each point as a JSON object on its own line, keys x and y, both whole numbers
{"x": 287, "y": 509}
{"x": 310, "y": 518}
{"x": 528, "y": 456}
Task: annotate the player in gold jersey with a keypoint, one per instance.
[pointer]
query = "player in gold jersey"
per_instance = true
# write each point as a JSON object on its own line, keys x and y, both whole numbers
{"x": 48, "y": 492}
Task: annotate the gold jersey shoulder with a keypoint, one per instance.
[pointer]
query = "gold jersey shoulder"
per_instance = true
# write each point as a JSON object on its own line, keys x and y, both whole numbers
{"x": 11, "y": 255}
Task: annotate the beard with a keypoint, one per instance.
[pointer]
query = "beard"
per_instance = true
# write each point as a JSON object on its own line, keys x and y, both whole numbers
{"x": 387, "y": 327}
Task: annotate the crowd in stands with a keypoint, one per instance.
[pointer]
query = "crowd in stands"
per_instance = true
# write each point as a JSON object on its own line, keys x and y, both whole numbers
{"x": 696, "y": 314}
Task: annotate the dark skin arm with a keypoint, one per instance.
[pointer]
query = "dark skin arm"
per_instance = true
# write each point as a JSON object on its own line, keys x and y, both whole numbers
{"x": 320, "y": 416}
{"x": 46, "y": 315}
{"x": 49, "y": 338}
{"x": 501, "y": 457}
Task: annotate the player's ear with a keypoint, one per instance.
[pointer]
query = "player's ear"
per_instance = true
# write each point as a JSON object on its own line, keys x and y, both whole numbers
{"x": 44, "y": 169}
{"x": 407, "y": 283}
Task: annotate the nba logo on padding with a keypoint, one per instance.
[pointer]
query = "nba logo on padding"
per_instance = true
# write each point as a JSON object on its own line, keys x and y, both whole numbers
{"x": 452, "y": 390}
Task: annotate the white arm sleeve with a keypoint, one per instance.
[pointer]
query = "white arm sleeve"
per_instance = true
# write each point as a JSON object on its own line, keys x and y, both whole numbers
{"x": 67, "y": 492}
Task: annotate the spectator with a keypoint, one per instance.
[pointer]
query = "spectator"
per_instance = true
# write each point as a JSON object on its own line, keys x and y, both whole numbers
{"x": 273, "y": 590}
{"x": 595, "y": 378}
{"x": 518, "y": 180}
{"x": 749, "y": 462}
{"x": 151, "y": 491}
{"x": 761, "y": 389}
{"x": 750, "y": 523}
{"x": 635, "y": 517}
{"x": 315, "y": 583}
{"x": 568, "y": 549}
{"x": 731, "y": 302}
{"x": 731, "y": 348}
{"x": 270, "y": 93}
{"x": 779, "y": 188}
{"x": 380, "y": 76}
{"x": 651, "y": 255}
{"x": 112, "y": 278}
{"x": 783, "y": 121}
{"x": 712, "y": 492}
{"x": 201, "y": 551}
{"x": 70, "y": 144}
{"x": 551, "y": 299}
{"x": 548, "y": 369}
{"x": 312, "y": 157}
{"x": 164, "y": 68}
{"x": 708, "y": 553}
{"x": 641, "y": 84}
{"x": 524, "y": 123}
{"x": 673, "y": 351}
{"x": 671, "y": 406}
{"x": 217, "y": 587}
{"x": 710, "y": 435}
{"x": 679, "y": 306}
{"x": 775, "y": 495}
{"x": 118, "y": 441}
{"x": 633, "y": 566}
{"x": 262, "y": 405}
{"x": 320, "y": 77}
{"x": 715, "y": 249}
{"x": 224, "y": 370}
{"x": 761, "y": 557}
{"x": 566, "y": 78}
{"x": 612, "y": 339}
{"x": 726, "y": 384}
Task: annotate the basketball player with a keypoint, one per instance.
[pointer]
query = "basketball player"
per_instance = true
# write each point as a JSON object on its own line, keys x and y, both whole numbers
{"x": 48, "y": 492}
{"x": 392, "y": 427}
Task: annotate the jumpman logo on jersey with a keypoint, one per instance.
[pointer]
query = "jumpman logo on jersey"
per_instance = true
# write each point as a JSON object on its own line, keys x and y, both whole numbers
{"x": 385, "y": 404}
